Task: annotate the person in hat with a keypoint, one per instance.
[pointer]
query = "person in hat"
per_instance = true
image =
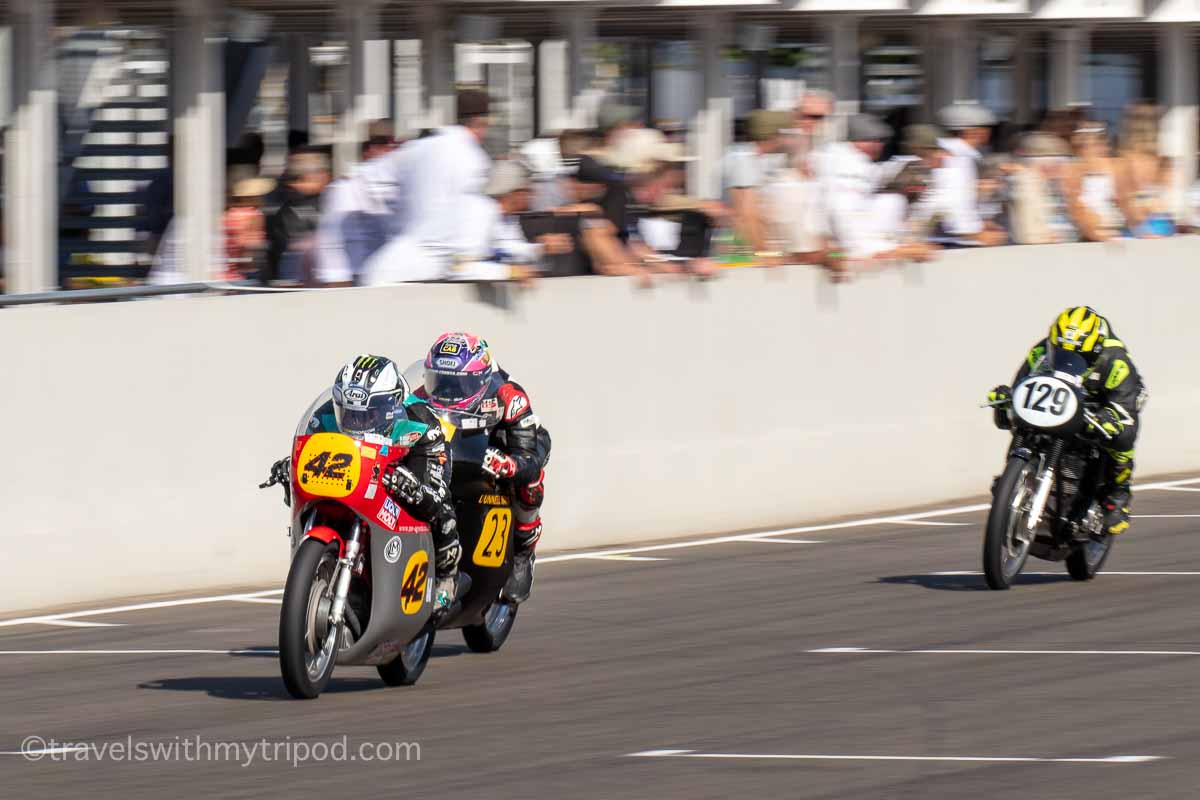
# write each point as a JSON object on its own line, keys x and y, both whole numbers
{"x": 245, "y": 228}
{"x": 969, "y": 129}
{"x": 511, "y": 193}
{"x": 1039, "y": 207}
{"x": 851, "y": 180}
{"x": 746, "y": 169}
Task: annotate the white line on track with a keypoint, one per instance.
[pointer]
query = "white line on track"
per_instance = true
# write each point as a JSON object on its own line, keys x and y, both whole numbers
{"x": 628, "y": 558}
{"x": 49, "y": 751}
{"x": 964, "y": 572}
{"x": 773, "y": 540}
{"x": 1165, "y": 516}
{"x": 933, "y": 523}
{"x": 615, "y": 551}
{"x": 190, "y": 601}
{"x": 252, "y": 652}
{"x": 271, "y": 601}
{"x": 1180, "y": 489}
{"x": 853, "y": 651}
{"x": 957, "y": 759}
{"x": 74, "y": 623}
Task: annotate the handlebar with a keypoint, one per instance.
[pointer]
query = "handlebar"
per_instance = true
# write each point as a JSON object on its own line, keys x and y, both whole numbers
{"x": 1095, "y": 424}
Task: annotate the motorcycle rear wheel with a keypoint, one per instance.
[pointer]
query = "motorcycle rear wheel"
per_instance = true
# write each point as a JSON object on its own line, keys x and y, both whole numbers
{"x": 1086, "y": 561}
{"x": 497, "y": 624}
{"x": 1004, "y": 554}
{"x": 406, "y": 668}
{"x": 306, "y": 668}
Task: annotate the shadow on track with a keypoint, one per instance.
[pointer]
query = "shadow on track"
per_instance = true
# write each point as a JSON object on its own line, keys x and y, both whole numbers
{"x": 968, "y": 583}
{"x": 242, "y": 687}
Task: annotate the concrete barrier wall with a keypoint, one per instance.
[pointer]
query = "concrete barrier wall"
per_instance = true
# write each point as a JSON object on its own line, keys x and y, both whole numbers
{"x": 135, "y": 433}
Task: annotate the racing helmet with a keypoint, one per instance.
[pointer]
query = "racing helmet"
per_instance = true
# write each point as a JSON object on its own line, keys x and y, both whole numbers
{"x": 368, "y": 396}
{"x": 458, "y": 370}
{"x": 1079, "y": 330}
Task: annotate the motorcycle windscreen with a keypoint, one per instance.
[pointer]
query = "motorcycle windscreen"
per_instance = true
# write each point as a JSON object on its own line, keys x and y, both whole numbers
{"x": 305, "y": 426}
{"x": 1066, "y": 365}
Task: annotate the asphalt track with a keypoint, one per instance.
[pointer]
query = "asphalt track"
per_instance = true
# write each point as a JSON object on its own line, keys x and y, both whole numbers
{"x": 707, "y": 652}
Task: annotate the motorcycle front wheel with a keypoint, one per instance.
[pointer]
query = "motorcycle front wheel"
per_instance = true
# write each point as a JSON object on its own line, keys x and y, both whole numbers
{"x": 1004, "y": 548}
{"x": 305, "y": 660}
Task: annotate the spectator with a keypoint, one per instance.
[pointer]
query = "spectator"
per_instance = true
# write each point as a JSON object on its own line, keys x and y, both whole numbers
{"x": 502, "y": 238}
{"x": 810, "y": 130}
{"x": 291, "y": 230}
{"x": 1091, "y": 185}
{"x": 354, "y": 213}
{"x": 435, "y": 188}
{"x": 925, "y": 158}
{"x": 1039, "y": 207}
{"x": 969, "y": 129}
{"x": 246, "y": 229}
{"x": 851, "y": 181}
{"x": 746, "y": 169}
{"x": 994, "y": 192}
{"x": 595, "y": 246}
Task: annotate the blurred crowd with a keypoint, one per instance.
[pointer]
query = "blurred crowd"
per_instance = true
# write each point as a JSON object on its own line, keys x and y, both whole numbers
{"x": 801, "y": 186}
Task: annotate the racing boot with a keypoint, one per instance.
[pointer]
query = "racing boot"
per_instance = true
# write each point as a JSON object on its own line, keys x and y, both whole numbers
{"x": 1118, "y": 471}
{"x": 520, "y": 582}
{"x": 1116, "y": 510}
{"x": 449, "y": 585}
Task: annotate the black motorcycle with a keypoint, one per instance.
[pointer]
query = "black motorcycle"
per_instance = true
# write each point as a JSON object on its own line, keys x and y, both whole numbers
{"x": 1047, "y": 501}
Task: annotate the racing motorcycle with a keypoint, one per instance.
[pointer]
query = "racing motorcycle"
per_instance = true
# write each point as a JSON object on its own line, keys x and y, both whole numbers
{"x": 483, "y": 510}
{"x": 1046, "y": 503}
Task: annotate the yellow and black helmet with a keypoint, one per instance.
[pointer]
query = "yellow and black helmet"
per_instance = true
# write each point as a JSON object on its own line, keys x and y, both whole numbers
{"x": 1079, "y": 330}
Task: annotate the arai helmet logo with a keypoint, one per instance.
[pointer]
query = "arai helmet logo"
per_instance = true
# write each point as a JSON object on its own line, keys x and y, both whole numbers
{"x": 391, "y": 551}
{"x": 355, "y": 395}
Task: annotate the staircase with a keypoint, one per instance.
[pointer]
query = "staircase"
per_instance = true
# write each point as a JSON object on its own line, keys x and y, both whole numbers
{"x": 117, "y": 143}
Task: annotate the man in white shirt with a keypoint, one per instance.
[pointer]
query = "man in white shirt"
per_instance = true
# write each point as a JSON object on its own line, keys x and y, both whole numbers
{"x": 437, "y": 198}
{"x": 969, "y": 127}
{"x": 746, "y": 168}
{"x": 851, "y": 180}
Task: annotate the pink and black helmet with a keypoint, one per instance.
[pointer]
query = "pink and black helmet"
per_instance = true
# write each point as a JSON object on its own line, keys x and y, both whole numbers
{"x": 458, "y": 369}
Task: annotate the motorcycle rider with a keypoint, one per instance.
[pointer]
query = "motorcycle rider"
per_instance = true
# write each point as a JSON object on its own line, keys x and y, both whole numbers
{"x": 1112, "y": 383}
{"x": 372, "y": 401}
{"x": 461, "y": 375}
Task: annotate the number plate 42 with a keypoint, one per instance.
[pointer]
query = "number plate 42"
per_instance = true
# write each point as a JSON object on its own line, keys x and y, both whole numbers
{"x": 1044, "y": 401}
{"x": 329, "y": 465}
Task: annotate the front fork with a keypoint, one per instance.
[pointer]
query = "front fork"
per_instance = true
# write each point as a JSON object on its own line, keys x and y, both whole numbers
{"x": 1045, "y": 483}
{"x": 341, "y": 585}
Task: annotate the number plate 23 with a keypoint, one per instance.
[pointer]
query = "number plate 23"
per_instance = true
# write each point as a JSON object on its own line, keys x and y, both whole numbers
{"x": 1044, "y": 401}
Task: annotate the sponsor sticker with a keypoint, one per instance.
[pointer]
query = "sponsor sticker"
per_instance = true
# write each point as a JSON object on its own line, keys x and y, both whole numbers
{"x": 391, "y": 551}
{"x": 446, "y": 363}
{"x": 355, "y": 396}
{"x": 389, "y": 512}
{"x": 450, "y": 347}
{"x": 515, "y": 406}
{"x": 490, "y": 405}
{"x": 409, "y": 439}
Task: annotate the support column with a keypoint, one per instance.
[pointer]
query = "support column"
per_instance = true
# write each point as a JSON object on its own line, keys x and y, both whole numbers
{"x": 553, "y": 87}
{"x": 958, "y": 39}
{"x": 1177, "y": 90}
{"x": 31, "y": 153}
{"x": 712, "y": 130}
{"x": 844, "y": 63}
{"x": 1068, "y": 67}
{"x": 437, "y": 65}
{"x": 366, "y": 79}
{"x": 579, "y": 30}
{"x": 199, "y": 137}
{"x": 5, "y": 74}
{"x": 299, "y": 82}
{"x": 1022, "y": 77}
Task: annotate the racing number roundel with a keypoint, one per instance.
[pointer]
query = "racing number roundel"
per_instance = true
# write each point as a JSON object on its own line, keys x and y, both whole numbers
{"x": 416, "y": 578}
{"x": 493, "y": 539}
{"x": 329, "y": 465}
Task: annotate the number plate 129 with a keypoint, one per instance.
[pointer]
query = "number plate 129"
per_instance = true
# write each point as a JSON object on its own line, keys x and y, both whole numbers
{"x": 1045, "y": 402}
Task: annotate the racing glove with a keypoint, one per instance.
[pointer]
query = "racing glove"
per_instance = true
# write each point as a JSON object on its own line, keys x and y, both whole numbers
{"x": 281, "y": 471}
{"x": 402, "y": 484}
{"x": 499, "y": 464}
{"x": 1110, "y": 422}
{"x": 1000, "y": 398}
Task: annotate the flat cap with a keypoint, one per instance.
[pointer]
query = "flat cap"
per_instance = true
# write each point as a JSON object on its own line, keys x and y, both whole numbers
{"x": 867, "y": 128}
{"x": 764, "y": 125}
{"x": 920, "y": 137}
{"x": 507, "y": 177}
{"x": 961, "y": 116}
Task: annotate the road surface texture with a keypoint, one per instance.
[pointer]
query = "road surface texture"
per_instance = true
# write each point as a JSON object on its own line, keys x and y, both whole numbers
{"x": 851, "y": 661}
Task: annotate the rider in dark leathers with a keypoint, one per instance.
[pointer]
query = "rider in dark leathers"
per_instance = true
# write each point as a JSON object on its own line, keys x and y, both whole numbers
{"x": 1112, "y": 383}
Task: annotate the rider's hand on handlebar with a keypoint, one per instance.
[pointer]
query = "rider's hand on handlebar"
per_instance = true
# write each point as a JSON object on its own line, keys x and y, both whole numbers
{"x": 1001, "y": 394}
{"x": 1109, "y": 420}
{"x": 281, "y": 471}
{"x": 402, "y": 484}
{"x": 499, "y": 464}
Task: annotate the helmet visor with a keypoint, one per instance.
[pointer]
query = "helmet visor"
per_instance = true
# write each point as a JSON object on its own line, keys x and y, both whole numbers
{"x": 378, "y": 416}
{"x": 455, "y": 389}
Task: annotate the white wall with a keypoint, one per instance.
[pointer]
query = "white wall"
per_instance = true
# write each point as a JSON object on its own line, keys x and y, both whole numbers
{"x": 136, "y": 433}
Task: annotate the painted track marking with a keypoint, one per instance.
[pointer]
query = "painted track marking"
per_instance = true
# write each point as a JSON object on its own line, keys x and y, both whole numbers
{"x": 967, "y": 572}
{"x": 953, "y": 759}
{"x": 250, "y": 652}
{"x": 854, "y": 651}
